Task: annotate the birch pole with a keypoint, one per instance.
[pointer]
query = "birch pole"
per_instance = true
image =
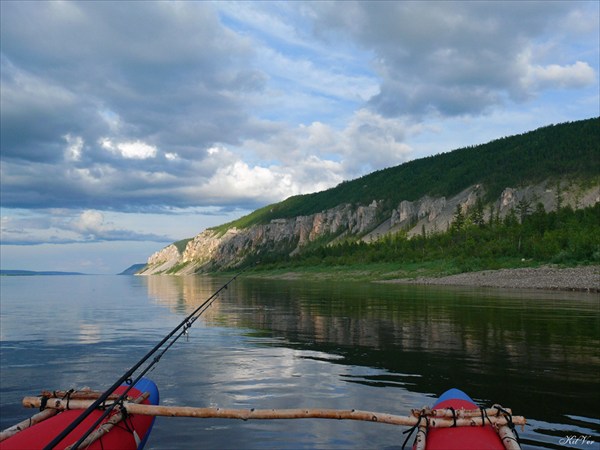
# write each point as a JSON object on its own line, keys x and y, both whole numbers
{"x": 79, "y": 395}
{"x": 508, "y": 438}
{"x": 37, "y": 418}
{"x": 421, "y": 438}
{"x": 459, "y": 413}
{"x": 265, "y": 414}
{"x": 108, "y": 425}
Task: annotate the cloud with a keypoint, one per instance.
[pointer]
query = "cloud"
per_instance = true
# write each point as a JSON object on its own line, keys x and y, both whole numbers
{"x": 368, "y": 142}
{"x": 36, "y": 114}
{"x": 131, "y": 150}
{"x": 102, "y": 69}
{"x": 90, "y": 223}
{"x": 154, "y": 106}
{"x": 458, "y": 58}
{"x": 576, "y": 75}
{"x": 74, "y": 147}
{"x": 62, "y": 227}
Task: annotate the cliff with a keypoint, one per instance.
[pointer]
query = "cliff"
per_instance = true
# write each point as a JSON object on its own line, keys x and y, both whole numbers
{"x": 553, "y": 165}
{"x": 215, "y": 249}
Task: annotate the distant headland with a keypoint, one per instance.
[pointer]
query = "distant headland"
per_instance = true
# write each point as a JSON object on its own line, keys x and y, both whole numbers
{"x": 133, "y": 269}
{"x": 25, "y": 273}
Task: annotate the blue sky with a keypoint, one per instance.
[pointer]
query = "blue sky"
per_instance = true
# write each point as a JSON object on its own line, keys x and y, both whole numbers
{"x": 128, "y": 125}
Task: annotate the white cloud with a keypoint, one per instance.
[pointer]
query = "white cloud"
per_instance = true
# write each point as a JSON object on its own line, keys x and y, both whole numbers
{"x": 130, "y": 149}
{"x": 374, "y": 142}
{"x": 107, "y": 144}
{"x": 576, "y": 75}
{"x": 368, "y": 142}
{"x": 74, "y": 147}
{"x": 137, "y": 150}
{"x": 239, "y": 180}
{"x": 90, "y": 222}
{"x": 214, "y": 150}
{"x": 59, "y": 226}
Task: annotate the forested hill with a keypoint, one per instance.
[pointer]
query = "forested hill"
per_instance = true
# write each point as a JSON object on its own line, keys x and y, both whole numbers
{"x": 487, "y": 196}
{"x": 569, "y": 150}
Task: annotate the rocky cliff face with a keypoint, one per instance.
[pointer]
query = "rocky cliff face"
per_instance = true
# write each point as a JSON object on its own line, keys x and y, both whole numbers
{"x": 211, "y": 250}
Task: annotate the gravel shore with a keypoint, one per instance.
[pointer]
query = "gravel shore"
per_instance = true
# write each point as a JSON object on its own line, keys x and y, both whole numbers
{"x": 583, "y": 279}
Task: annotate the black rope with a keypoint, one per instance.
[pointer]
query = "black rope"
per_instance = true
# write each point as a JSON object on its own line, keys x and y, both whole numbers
{"x": 453, "y": 415}
{"x": 68, "y": 397}
{"x": 43, "y": 403}
{"x": 484, "y": 415}
{"x": 126, "y": 377}
{"x": 509, "y": 423}
{"x": 126, "y": 416}
{"x": 411, "y": 430}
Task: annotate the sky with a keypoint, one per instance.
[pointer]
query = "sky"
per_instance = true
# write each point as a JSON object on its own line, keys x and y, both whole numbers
{"x": 126, "y": 126}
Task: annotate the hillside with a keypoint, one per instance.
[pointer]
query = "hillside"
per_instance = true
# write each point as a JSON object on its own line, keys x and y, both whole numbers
{"x": 133, "y": 269}
{"x": 551, "y": 167}
{"x": 568, "y": 150}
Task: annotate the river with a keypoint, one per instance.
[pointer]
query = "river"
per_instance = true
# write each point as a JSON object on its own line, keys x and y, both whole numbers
{"x": 298, "y": 344}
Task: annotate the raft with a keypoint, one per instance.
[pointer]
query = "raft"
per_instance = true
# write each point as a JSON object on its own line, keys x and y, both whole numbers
{"x": 466, "y": 437}
{"x": 454, "y": 422}
{"x": 129, "y": 433}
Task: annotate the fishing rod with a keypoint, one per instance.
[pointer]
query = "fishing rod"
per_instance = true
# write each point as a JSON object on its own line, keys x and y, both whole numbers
{"x": 184, "y": 325}
{"x": 131, "y": 383}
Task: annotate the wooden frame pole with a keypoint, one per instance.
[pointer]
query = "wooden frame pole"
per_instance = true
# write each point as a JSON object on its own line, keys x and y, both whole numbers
{"x": 37, "y": 418}
{"x": 265, "y": 414}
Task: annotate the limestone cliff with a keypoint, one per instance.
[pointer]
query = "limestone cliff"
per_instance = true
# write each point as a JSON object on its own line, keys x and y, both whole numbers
{"x": 211, "y": 249}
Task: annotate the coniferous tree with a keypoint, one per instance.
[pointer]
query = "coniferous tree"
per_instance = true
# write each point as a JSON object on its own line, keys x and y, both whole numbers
{"x": 476, "y": 214}
{"x": 523, "y": 209}
{"x": 459, "y": 219}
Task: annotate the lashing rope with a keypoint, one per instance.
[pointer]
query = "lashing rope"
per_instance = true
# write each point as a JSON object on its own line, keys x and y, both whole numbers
{"x": 68, "y": 397}
{"x": 484, "y": 415}
{"x": 509, "y": 423}
{"x": 453, "y": 415}
{"x": 43, "y": 403}
{"x": 411, "y": 430}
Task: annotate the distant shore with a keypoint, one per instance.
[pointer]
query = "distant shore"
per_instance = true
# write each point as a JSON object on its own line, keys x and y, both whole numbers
{"x": 582, "y": 279}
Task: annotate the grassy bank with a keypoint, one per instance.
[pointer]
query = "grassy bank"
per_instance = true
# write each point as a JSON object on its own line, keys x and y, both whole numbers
{"x": 386, "y": 270}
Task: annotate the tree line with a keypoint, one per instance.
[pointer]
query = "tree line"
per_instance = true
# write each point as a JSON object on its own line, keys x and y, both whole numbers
{"x": 528, "y": 232}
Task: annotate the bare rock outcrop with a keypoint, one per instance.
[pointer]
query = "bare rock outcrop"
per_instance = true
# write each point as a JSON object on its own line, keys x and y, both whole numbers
{"x": 211, "y": 249}
{"x": 162, "y": 261}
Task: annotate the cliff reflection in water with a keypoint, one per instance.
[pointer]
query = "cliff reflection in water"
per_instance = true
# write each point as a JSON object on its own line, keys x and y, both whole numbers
{"x": 509, "y": 346}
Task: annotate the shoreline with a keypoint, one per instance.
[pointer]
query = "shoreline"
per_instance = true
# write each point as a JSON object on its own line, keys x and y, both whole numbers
{"x": 578, "y": 279}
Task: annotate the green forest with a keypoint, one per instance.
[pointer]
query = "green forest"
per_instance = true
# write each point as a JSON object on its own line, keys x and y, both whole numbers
{"x": 529, "y": 236}
{"x": 568, "y": 150}
{"x": 478, "y": 238}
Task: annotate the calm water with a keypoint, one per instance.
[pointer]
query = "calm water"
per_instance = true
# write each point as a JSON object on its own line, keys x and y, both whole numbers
{"x": 287, "y": 344}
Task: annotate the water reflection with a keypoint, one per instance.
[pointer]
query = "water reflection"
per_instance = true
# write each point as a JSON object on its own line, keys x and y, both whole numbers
{"x": 89, "y": 333}
{"x": 537, "y": 352}
{"x": 183, "y": 294}
{"x": 294, "y": 344}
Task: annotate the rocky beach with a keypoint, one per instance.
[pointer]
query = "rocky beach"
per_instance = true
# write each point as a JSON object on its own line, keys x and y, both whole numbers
{"x": 582, "y": 279}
